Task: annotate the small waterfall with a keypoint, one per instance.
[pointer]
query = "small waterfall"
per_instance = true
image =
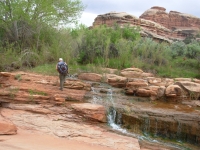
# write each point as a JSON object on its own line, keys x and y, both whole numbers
{"x": 114, "y": 118}
{"x": 179, "y": 128}
{"x": 110, "y": 101}
{"x": 146, "y": 125}
{"x": 156, "y": 128}
{"x": 96, "y": 99}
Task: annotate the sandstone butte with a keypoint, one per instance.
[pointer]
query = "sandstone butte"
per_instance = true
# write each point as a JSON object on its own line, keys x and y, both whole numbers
{"x": 155, "y": 22}
{"x": 36, "y": 115}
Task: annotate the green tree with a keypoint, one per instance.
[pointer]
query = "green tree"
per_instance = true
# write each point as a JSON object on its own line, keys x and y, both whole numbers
{"x": 21, "y": 21}
{"x": 193, "y": 50}
{"x": 178, "y": 49}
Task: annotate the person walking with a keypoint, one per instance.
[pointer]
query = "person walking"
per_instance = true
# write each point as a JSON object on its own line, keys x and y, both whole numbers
{"x": 62, "y": 69}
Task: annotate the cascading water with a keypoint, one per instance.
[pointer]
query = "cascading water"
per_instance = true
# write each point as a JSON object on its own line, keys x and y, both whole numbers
{"x": 115, "y": 119}
{"x": 96, "y": 99}
{"x": 112, "y": 119}
{"x": 112, "y": 116}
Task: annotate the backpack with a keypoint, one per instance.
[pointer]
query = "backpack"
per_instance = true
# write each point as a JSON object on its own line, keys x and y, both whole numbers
{"x": 62, "y": 68}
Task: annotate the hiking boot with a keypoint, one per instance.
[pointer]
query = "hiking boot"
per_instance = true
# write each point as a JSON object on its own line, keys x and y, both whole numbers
{"x": 61, "y": 89}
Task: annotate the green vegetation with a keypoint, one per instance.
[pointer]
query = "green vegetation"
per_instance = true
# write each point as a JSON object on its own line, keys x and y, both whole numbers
{"x": 13, "y": 92}
{"x": 18, "y": 77}
{"x": 29, "y": 39}
{"x": 35, "y": 92}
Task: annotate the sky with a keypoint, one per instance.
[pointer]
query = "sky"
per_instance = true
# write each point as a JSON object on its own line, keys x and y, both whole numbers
{"x": 135, "y": 7}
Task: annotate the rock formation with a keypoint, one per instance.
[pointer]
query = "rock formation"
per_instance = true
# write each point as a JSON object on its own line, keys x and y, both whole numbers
{"x": 69, "y": 111}
{"x": 155, "y": 22}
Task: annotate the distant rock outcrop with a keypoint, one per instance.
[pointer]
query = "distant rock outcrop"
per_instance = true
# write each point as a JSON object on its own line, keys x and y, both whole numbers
{"x": 155, "y": 23}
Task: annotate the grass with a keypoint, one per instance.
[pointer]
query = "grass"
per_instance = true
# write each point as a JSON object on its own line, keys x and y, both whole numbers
{"x": 50, "y": 69}
{"x": 35, "y": 92}
{"x": 18, "y": 77}
{"x": 175, "y": 69}
{"x": 47, "y": 69}
{"x": 177, "y": 72}
{"x": 13, "y": 91}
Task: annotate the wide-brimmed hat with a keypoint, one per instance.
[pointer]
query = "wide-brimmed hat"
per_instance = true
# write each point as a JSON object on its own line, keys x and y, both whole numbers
{"x": 60, "y": 59}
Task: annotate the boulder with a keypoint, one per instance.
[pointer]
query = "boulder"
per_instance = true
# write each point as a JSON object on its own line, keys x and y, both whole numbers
{"x": 145, "y": 92}
{"x": 159, "y": 90}
{"x": 189, "y": 86}
{"x": 90, "y": 77}
{"x": 173, "y": 91}
{"x": 131, "y": 72}
{"x": 133, "y": 85}
{"x": 155, "y": 81}
{"x": 116, "y": 81}
{"x": 77, "y": 84}
{"x": 91, "y": 111}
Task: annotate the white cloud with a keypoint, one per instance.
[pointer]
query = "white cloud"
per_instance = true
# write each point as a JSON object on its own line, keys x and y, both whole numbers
{"x": 87, "y": 18}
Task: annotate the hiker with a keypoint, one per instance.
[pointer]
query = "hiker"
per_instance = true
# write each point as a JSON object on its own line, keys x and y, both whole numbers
{"x": 62, "y": 68}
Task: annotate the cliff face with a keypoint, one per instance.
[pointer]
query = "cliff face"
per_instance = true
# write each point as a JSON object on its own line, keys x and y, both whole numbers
{"x": 171, "y": 20}
{"x": 155, "y": 22}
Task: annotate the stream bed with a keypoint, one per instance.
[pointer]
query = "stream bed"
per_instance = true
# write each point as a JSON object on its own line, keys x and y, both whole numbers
{"x": 174, "y": 126}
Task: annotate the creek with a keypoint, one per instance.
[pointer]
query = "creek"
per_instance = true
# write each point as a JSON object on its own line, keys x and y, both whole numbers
{"x": 156, "y": 124}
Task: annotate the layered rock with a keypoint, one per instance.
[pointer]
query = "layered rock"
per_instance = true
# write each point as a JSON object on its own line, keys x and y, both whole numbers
{"x": 91, "y": 111}
{"x": 172, "y": 19}
{"x": 165, "y": 123}
{"x": 46, "y": 99}
{"x": 181, "y": 24}
{"x": 149, "y": 28}
{"x": 135, "y": 83}
{"x": 155, "y": 22}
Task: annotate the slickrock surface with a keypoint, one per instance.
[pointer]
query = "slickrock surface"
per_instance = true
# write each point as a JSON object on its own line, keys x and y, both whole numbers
{"x": 58, "y": 132}
{"x": 45, "y": 119}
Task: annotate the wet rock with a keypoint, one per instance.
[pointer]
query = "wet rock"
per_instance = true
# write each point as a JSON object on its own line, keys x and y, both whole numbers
{"x": 194, "y": 103}
{"x": 165, "y": 123}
